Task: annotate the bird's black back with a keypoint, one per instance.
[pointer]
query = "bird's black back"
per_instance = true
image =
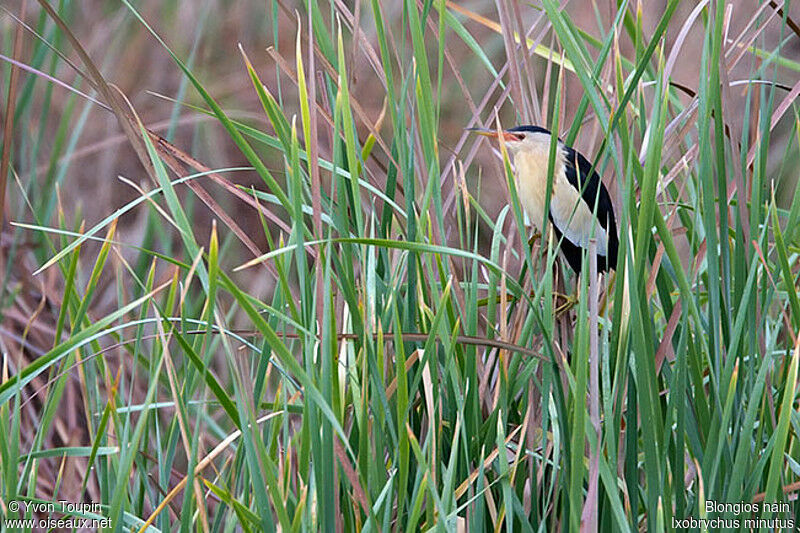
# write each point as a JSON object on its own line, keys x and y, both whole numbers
{"x": 580, "y": 175}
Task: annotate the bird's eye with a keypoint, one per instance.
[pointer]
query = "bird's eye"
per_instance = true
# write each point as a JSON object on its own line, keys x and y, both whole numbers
{"x": 513, "y": 136}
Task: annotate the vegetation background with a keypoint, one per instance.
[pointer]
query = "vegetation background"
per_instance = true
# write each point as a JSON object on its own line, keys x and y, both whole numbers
{"x": 256, "y": 275}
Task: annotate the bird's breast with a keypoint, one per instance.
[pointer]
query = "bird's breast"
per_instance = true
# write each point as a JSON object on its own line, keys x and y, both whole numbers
{"x": 531, "y": 177}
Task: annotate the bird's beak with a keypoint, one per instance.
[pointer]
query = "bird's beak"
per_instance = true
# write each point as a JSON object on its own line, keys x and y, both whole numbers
{"x": 507, "y": 136}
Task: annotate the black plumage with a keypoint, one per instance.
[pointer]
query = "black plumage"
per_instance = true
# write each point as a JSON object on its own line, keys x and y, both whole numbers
{"x": 580, "y": 175}
{"x": 530, "y": 129}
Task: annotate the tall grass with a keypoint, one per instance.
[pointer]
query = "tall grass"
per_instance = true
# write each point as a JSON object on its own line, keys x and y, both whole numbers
{"x": 386, "y": 351}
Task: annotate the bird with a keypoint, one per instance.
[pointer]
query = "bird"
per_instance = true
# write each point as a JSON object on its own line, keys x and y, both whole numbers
{"x": 578, "y": 196}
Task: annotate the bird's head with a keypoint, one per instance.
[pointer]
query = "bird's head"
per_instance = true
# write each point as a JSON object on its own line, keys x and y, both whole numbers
{"x": 518, "y": 138}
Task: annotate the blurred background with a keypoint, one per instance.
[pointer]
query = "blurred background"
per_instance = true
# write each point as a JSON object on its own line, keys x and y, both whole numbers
{"x": 67, "y": 154}
{"x": 207, "y": 35}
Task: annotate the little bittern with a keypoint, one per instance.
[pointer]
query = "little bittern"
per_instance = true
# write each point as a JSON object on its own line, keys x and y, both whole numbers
{"x": 578, "y": 195}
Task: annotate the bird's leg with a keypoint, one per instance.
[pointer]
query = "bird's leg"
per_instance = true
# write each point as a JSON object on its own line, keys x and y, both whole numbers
{"x": 570, "y": 300}
{"x": 534, "y": 237}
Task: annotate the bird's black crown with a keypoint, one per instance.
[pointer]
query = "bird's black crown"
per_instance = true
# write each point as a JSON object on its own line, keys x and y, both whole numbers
{"x": 530, "y": 129}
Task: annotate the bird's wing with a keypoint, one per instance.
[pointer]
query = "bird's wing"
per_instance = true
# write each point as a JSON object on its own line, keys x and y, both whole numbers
{"x": 571, "y": 251}
{"x": 579, "y": 174}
